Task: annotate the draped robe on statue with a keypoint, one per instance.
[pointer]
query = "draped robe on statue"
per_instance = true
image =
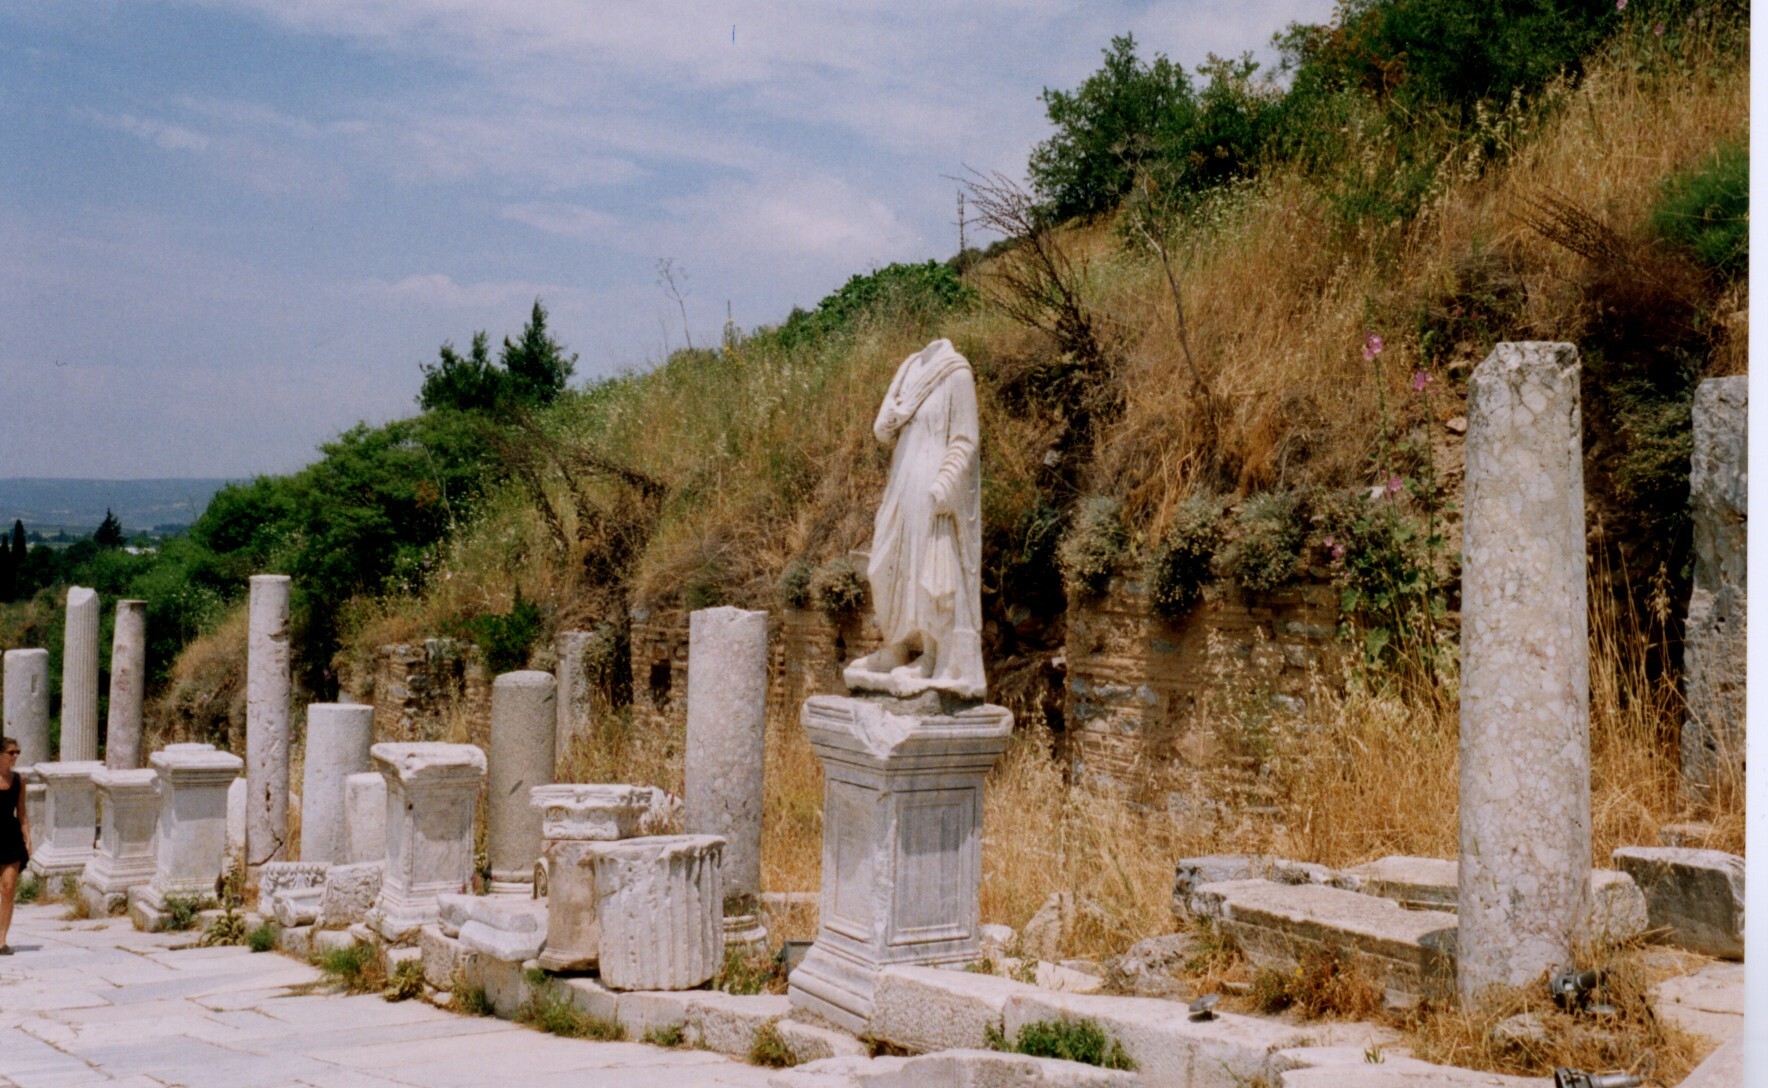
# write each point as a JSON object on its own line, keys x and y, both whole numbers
{"x": 926, "y": 560}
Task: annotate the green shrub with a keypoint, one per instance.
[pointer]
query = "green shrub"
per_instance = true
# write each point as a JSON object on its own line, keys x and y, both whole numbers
{"x": 839, "y": 586}
{"x": 768, "y": 1049}
{"x": 506, "y": 639}
{"x": 262, "y": 939}
{"x": 30, "y": 889}
{"x": 1071, "y": 1040}
{"x": 1267, "y": 541}
{"x": 356, "y": 967}
{"x": 669, "y": 1036}
{"x": 406, "y": 981}
{"x": 1093, "y": 544}
{"x": 1181, "y": 565}
{"x": 1706, "y": 209}
{"x": 916, "y": 291}
{"x": 227, "y": 928}
{"x": 749, "y": 972}
{"x": 181, "y": 911}
{"x": 555, "y": 1015}
{"x": 795, "y": 584}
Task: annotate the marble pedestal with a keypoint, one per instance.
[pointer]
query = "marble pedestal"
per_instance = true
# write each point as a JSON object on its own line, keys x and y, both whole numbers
{"x": 431, "y": 791}
{"x": 902, "y": 841}
{"x": 573, "y": 819}
{"x": 70, "y": 818}
{"x": 190, "y": 839}
{"x": 130, "y": 802}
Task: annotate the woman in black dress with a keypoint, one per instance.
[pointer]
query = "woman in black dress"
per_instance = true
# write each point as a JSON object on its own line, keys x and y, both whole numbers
{"x": 15, "y": 835}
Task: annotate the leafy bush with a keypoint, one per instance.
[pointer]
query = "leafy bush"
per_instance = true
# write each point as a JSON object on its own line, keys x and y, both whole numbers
{"x": 406, "y": 981}
{"x": 1706, "y": 210}
{"x": 262, "y": 939}
{"x": 750, "y": 972}
{"x": 769, "y": 1050}
{"x": 1322, "y": 984}
{"x": 555, "y": 1015}
{"x": 531, "y": 370}
{"x": 1268, "y": 536}
{"x": 668, "y": 1036}
{"x": 181, "y": 911}
{"x": 1071, "y": 1040}
{"x": 795, "y": 584}
{"x": 30, "y": 889}
{"x": 839, "y": 586}
{"x": 917, "y": 291}
{"x": 356, "y": 967}
{"x": 1384, "y": 564}
{"x": 506, "y": 639}
{"x": 1095, "y": 541}
{"x": 1181, "y": 565}
{"x": 227, "y": 928}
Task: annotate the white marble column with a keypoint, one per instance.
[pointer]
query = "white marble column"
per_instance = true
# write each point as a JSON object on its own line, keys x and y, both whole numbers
{"x": 1715, "y": 650}
{"x": 726, "y": 750}
{"x": 190, "y": 837}
{"x": 338, "y": 739}
{"x": 27, "y": 704}
{"x": 130, "y": 802}
{"x": 524, "y": 726}
{"x": 79, "y": 677}
{"x": 267, "y": 720}
{"x": 70, "y": 817}
{"x": 431, "y": 792}
{"x": 576, "y": 711}
{"x": 128, "y": 684}
{"x": 1525, "y": 686}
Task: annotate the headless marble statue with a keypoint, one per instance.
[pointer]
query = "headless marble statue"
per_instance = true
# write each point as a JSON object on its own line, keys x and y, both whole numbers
{"x": 926, "y": 560}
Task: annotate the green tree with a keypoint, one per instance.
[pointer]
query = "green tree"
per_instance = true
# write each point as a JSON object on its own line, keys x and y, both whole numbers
{"x": 536, "y": 364}
{"x": 470, "y": 382}
{"x": 109, "y": 533}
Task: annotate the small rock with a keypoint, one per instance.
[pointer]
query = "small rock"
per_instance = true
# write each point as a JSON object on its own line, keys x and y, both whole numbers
{"x": 1150, "y": 967}
{"x": 1048, "y": 928}
{"x": 1522, "y": 1030}
{"x": 1458, "y": 425}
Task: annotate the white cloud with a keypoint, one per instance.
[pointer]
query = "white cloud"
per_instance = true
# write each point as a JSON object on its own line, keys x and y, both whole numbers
{"x": 571, "y": 220}
{"x": 159, "y": 133}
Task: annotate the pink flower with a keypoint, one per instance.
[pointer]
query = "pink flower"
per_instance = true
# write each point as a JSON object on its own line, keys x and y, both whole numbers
{"x": 1372, "y": 346}
{"x": 1421, "y": 380}
{"x": 1394, "y": 484}
{"x": 1658, "y": 30}
{"x": 1620, "y": 5}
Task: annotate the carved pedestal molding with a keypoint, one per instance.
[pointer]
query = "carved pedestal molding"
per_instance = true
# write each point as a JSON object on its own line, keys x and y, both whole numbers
{"x": 573, "y": 818}
{"x": 1525, "y": 689}
{"x": 726, "y": 750}
{"x": 70, "y": 818}
{"x": 27, "y": 705}
{"x": 431, "y": 791}
{"x": 130, "y": 802}
{"x": 338, "y": 739}
{"x": 659, "y": 904}
{"x": 524, "y": 727}
{"x": 79, "y": 677}
{"x": 267, "y": 720}
{"x": 128, "y": 682}
{"x": 902, "y": 842}
{"x": 190, "y": 838}
{"x": 1715, "y": 642}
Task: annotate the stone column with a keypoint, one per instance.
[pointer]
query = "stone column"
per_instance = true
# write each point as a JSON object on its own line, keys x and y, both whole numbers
{"x": 1525, "y": 685}
{"x": 659, "y": 907}
{"x": 902, "y": 841}
{"x": 338, "y": 739}
{"x": 70, "y": 818}
{"x": 576, "y": 711}
{"x": 431, "y": 792}
{"x": 524, "y": 726}
{"x": 727, "y": 737}
{"x": 190, "y": 839}
{"x": 27, "y": 704}
{"x": 365, "y": 818}
{"x": 128, "y": 682}
{"x": 267, "y": 720}
{"x": 1715, "y": 654}
{"x": 573, "y": 820}
{"x": 130, "y": 802}
{"x": 79, "y": 677}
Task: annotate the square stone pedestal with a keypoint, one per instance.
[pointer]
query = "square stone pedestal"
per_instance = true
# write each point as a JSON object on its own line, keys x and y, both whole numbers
{"x": 190, "y": 839}
{"x": 902, "y": 841}
{"x": 431, "y": 791}
{"x": 70, "y": 819}
{"x": 131, "y": 807}
{"x": 572, "y": 818}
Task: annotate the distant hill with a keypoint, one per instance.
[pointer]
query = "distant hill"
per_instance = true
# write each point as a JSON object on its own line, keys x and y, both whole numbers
{"x": 49, "y": 504}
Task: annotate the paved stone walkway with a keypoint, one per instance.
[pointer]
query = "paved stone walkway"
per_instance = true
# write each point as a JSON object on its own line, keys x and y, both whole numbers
{"x": 95, "y": 1002}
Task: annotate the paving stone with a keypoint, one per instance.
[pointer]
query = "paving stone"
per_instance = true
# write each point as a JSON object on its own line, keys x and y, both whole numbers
{"x": 952, "y": 1069}
{"x": 643, "y": 1011}
{"x": 814, "y": 1042}
{"x": 925, "y": 1009}
{"x": 1722, "y": 1069}
{"x": 727, "y": 1023}
{"x": 1708, "y": 1002}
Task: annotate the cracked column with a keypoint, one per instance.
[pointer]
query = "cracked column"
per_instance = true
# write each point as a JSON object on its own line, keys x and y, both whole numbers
{"x": 1715, "y": 653}
{"x": 27, "y": 705}
{"x": 79, "y": 677}
{"x": 267, "y": 720}
{"x": 726, "y": 750}
{"x": 338, "y": 739}
{"x": 1525, "y": 683}
{"x": 524, "y": 726}
{"x": 128, "y": 682}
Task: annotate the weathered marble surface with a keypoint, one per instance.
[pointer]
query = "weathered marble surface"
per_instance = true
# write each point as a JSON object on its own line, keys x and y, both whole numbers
{"x": 1715, "y": 650}
{"x": 926, "y": 557}
{"x": 726, "y": 751}
{"x": 365, "y": 817}
{"x": 524, "y": 728}
{"x": 1696, "y": 896}
{"x": 128, "y": 684}
{"x": 431, "y": 792}
{"x": 70, "y": 818}
{"x": 576, "y": 706}
{"x": 660, "y": 910}
{"x": 130, "y": 802}
{"x": 337, "y": 743}
{"x": 190, "y": 837}
{"x": 1525, "y": 687}
{"x": 79, "y": 677}
{"x": 267, "y": 720}
{"x": 26, "y": 720}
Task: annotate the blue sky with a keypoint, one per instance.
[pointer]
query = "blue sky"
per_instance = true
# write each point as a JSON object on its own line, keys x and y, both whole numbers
{"x": 230, "y": 229}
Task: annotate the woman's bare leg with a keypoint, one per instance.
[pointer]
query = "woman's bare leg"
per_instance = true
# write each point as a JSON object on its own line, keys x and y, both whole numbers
{"x": 8, "y": 890}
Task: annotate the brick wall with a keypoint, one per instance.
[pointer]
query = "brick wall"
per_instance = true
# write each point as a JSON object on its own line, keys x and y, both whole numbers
{"x": 429, "y": 691}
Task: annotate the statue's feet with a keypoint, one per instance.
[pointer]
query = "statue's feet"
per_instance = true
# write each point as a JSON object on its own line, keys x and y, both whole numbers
{"x": 919, "y": 669}
{"x": 884, "y": 660}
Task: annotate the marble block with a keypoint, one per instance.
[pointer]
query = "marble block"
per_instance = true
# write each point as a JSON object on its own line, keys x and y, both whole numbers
{"x": 349, "y": 893}
{"x": 190, "y": 837}
{"x": 365, "y": 818}
{"x": 130, "y": 802}
{"x": 572, "y": 817}
{"x": 660, "y": 909}
{"x": 267, "y": 720}
{"x": 431, "y": 792}
{"x": 70, "y": 818}
{"x": 337, "y": 743}
{"x": 26, "y": 683}
{"x": 278, "y": 877}
{"x": 1715, "y": 640}
{"x": 726, "y": 753}
{"x": 524, "y": 724}
{"x": 902, "y": 843}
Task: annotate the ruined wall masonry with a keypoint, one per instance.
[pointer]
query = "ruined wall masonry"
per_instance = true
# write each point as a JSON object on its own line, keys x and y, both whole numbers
{"x": 421, "y": 688}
